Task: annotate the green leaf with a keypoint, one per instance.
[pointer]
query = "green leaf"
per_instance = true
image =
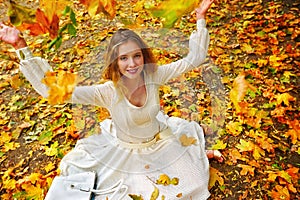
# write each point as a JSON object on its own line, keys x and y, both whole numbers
{"x": 73, "y": 17}
{"x": 72, "y": 30}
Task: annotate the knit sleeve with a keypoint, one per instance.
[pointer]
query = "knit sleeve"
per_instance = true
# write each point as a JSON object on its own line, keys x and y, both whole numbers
{"x": 34, "y": 69}
{"x": 198, "y": 46}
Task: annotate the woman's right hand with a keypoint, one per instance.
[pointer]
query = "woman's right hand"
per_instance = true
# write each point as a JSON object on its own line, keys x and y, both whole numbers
{"x": 11, "y": 35}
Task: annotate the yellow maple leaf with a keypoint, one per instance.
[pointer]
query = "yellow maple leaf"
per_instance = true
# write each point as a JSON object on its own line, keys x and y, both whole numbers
{"x": 245, "y": 145}
{"x": 285, "y": 98}
{"x": 257, "y": 152}
{"x": 61, "y": 85}
{"x": 33, "y": 192}
{"x": 187, "y": 141}
{"x": 215, "y": 176}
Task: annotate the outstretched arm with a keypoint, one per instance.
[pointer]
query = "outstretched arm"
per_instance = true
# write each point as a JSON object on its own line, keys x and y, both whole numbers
{"x": 198, "y": 47}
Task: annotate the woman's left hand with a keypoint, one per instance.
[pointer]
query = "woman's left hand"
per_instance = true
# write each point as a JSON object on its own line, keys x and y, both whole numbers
{"x": 203, "y": 8}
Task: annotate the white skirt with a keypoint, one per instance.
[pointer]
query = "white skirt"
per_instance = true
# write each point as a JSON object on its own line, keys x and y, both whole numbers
{"x": 139, "y": 168}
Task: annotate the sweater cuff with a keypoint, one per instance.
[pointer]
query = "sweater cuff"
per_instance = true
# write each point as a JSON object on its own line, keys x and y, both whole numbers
{"x": 201, "y": 23}
{"x": 24, "y": 53}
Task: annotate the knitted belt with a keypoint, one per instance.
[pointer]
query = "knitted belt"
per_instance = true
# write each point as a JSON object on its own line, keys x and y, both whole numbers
{"x": 159, "y": 136}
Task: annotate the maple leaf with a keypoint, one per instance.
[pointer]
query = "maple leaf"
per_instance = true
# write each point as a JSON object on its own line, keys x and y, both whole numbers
{"x": 245, "y": 145}
{"x": 187, "y": 141}
{"x": 19, "y": 14}
{"x": 43, "y": 25}
{"x": 246, "y": 169}
{"x": 215, "y": 176}
{"x": 52, "y": 8}
{"x": 280, "y": 192}
{"x": 234, "y": 128}
{"x": 96, "y": 6}
{"x": 285, "y": 98}
{"x": 61, "y": 85}
{"x": 171, "y": 10}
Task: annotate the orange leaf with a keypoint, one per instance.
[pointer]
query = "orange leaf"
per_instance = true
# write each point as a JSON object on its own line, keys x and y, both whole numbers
{"x": 280, "y": 193}
{"x": 43, "y": 25}
{"x": 246, "y": 169}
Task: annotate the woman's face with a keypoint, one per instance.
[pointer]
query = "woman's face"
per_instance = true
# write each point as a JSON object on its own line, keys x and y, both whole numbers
{"x": 130, "y": 60}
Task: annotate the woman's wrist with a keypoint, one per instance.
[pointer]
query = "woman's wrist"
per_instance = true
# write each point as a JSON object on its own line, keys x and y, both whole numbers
{"x": 20, "y": 43}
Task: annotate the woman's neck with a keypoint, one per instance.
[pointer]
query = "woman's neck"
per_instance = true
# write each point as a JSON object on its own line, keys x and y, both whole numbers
{"x": 133, "y": 84}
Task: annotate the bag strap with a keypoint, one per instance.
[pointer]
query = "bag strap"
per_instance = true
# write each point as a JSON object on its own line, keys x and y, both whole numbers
{"x": 114, "y": 189}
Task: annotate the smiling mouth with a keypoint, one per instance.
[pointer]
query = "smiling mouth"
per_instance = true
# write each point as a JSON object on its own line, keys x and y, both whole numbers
{"x": 132, "y": 71}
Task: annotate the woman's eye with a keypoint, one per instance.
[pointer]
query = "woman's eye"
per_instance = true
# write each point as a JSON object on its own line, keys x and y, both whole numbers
{"x": 123, "y": 58}
{"x": 138, "y": 55}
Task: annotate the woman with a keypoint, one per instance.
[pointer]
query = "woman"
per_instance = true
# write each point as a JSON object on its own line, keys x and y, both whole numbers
{"x": 139, "y": 144}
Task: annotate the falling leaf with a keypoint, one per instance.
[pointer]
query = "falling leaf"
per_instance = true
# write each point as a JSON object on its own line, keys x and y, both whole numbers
{"x": 19, "y": 14}
{"x": 187, "y": 141}
{"x": 61, "y": 85}
{"x": 52, "y": 8}
{"x": 42, "y": 25}
{"x": 96, "y": 6}
{"x": 179, "y": 195}
{"x": 171, "y": 10}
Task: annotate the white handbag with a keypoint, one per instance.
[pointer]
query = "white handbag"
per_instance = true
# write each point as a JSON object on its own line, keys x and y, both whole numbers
{"x": 82, "y": 187}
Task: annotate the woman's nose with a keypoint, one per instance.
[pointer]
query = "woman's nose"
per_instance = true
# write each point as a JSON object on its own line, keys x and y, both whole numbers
{"x": 131, "y": 62}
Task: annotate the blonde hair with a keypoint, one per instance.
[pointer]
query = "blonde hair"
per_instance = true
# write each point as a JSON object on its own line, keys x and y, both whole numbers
{"x": 111, "y": 70}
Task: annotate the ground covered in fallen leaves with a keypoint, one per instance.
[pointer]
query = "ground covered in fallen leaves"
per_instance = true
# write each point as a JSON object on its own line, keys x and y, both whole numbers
{"x": 248, "y": 94}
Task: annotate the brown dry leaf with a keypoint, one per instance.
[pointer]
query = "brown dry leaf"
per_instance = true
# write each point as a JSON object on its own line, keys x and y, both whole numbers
{"x": 187, "y": 141}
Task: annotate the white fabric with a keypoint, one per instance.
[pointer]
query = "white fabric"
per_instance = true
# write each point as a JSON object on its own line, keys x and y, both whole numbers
{"x": 103, "y": 153}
